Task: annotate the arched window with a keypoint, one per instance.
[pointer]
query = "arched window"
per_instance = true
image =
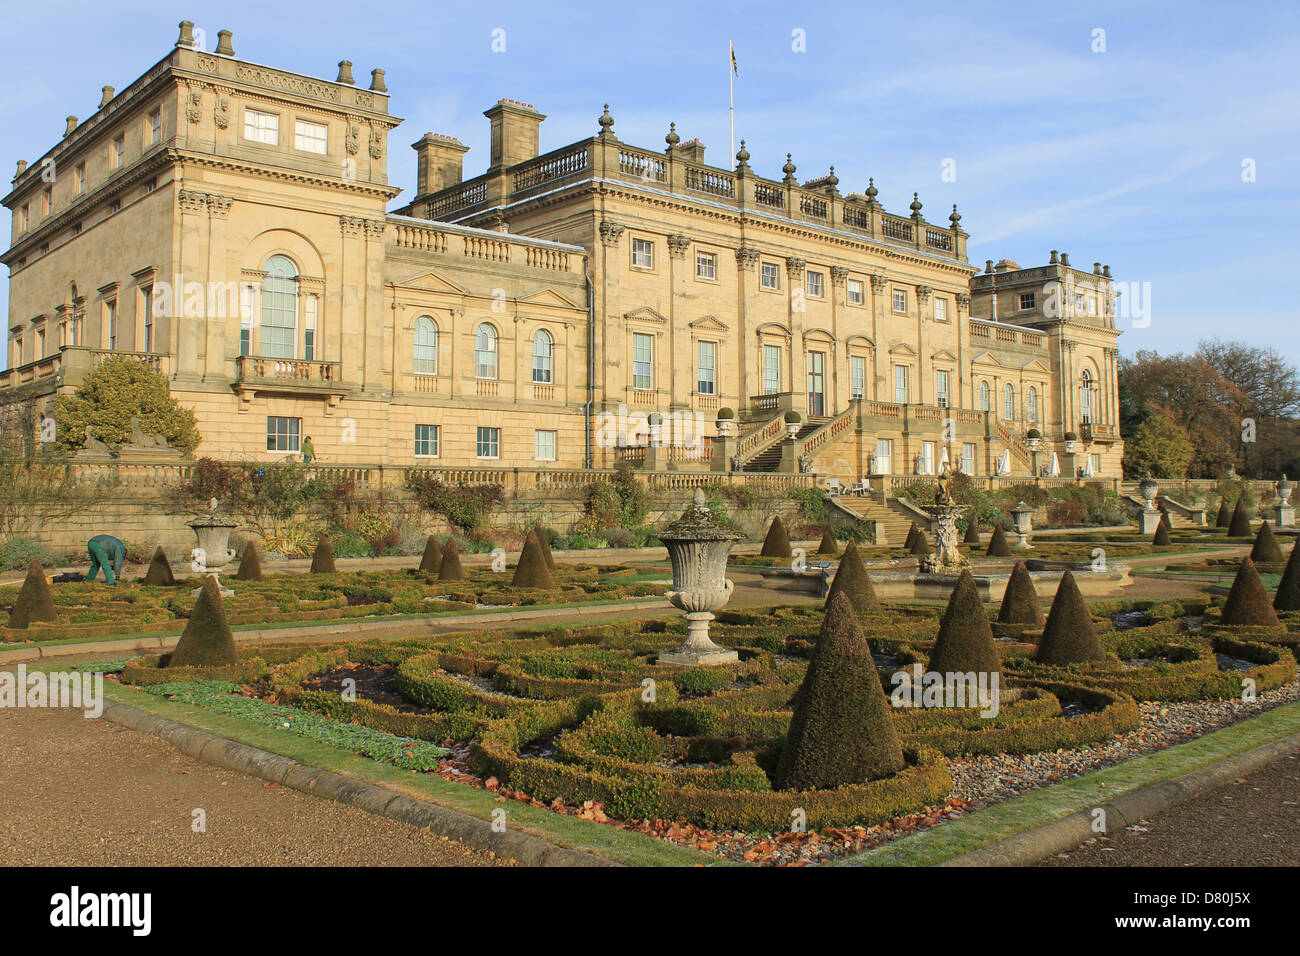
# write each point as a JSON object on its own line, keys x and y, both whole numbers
{"x": 426, "y": 346}
{"x": 984, "y": 397}
{"x": 1008, "y": 402}
{"x": 485, "y": 351}
{"x": 280, "y": 308}
{"x": 1085, "y": 396}
{"x": 1031, "y": 404}
{"x": 543, "y": 357}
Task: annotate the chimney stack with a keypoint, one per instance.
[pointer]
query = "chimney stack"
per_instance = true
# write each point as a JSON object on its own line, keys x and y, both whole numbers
{"x": 345, "y": 73}
{"x": 223, "y": 43}
{"x": 72, "y": 124}
{"x": 187, "y": 34}
{"x": 106, "y": 94}
{"x": 377, "y": 83}
{"x": 515, "y": 132}
{"x": 440, "y": 163}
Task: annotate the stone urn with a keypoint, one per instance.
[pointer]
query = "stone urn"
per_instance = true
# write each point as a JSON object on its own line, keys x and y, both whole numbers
{"x": 213, "y": 533}
{"x": 1022, "y": 516}
{"x": 1284, "y": 511}
{"x": 1148, "y": 488}
{"x": 698, "y": 546}
{"x": 1284, "y": 490}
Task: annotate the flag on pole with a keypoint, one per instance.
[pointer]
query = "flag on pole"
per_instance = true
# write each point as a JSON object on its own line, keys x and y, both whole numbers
{"x": 735, "y": 70}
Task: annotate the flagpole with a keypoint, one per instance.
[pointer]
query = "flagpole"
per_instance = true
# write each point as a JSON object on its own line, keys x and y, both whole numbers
{"x": 731, "y": 84}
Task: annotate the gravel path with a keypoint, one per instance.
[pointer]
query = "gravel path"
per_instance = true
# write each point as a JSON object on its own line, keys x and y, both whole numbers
{"x": 90, "y": 793}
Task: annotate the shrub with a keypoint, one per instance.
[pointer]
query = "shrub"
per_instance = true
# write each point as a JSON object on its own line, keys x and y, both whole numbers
{"x": 465, "y": 507}
{"x": 322, "y": 560}
{"x": 160, "y": 569}
{"x": 998, "y": 547}
{"x": 1161, "y": 538}
{"x": 777, "y": 542}
{"x": 206, "y": 640}
{"x": 532, "y": 572}
{"x": 250, "y": 564}
{"x": 965, "y": 639}
{"x": 1069, "y": 636}
{"x": 115, "y": 394}
{"x": 450, "y": 569}
{"x": 1239, "y": 526}
{"x": 726, "y": 414}
{"x": 1288, "y": 589}
{"x": 35, "y": 602}
{"x": 1266, "y": 549}
{"x": 18, "y": 553}
{"x": 431, "y": 560}
{"x": 792, "y": 417}
{"x": 828, "y": 544}
{"x": 1020, "y": 604}
{"x": 851, "y": 580}
{"x": 1248, "y": 604}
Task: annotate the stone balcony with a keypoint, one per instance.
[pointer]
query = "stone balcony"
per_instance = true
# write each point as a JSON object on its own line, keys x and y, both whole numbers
{"x": 262, "y": 373}
{"x": 67, "y": 367}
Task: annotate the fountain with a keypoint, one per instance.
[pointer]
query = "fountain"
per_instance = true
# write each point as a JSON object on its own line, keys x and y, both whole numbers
{"x": 698, "y": 546}
{"x": 947, "y": 557}
{"x": 214, "y": 552}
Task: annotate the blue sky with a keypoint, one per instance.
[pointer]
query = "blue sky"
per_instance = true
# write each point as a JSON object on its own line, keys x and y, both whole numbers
{"x": 1132, "y": 156}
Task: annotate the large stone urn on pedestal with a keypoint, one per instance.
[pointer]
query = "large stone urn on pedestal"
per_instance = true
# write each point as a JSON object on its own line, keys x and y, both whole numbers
{"x": 1148, "y": 488}
{"x": 1022, "y": 517}
{"x": 1284, "y": 512}
{"x": 698, "y": 546}
{"x": 947, "y": 557}
{"x": 213, "y": 551}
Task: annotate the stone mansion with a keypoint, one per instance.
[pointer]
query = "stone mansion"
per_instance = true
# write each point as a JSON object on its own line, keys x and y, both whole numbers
{"x": 229, "y": 223}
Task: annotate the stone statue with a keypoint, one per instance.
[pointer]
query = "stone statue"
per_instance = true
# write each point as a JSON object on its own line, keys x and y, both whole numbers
{"x": 737, "y": 462}
{"x": 806, "y": 464}
{"x": 944, "y": 496}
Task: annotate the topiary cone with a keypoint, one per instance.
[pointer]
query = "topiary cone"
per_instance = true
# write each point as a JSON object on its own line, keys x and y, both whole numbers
{"x": 532, "y": 572}
{"x": 1288, "y": 589}
{"x": 1161, "y": 537}
{"x": 998, "y": 547}
{"x": 777, "y": 542}
{"x": 545, "y": 546}
{"x": 851, "y": 580}
{"x": 35, "y": 602}
{"x": 322, "y": 560}
{"x": 1239, "y": 526}
{"x": 431, "y": 560}
{"x": 829, "y": 545}
{"x": 160, "y": 569}
{"x": 920, "y": 543}
{"x": 841, "y": 731}
{"x": 1165, "y": 520}
{"x": 972, "y": 533}
{"x": 1069, "y": 637}
{"x": 1248, "y": 604}
{"x": 965, "y": 639}
{"x": 206, "y": 640}
{"x": 1224, "y": 518}
{"x": 450, "y": 569}
{"x": 1266, "y": 549}
{"x": 911, "y": 537}
{"x": 250, "y": 564}
{"x": 1020, "y": 604}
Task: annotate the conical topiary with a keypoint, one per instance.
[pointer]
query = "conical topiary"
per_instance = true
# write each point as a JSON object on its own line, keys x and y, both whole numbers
{"x": 431, "y": 560}
{"x": 829, "y": 545}
{"x": 1165, "y": 520}
{"x": 1224, "y": 518}
{"x": 532, "y": 572}
{"x": 1239, "y": 526}
{"x": 35, "y": 601}
{"x": 851, "y": 580}
{"x": 965, "y": 640}
{"x": 998, "y": 547}
{"x": 206, "y": 640}
{"x": 545, "y": 546}
{"x": 1069, "y": 637}
{"x": 1161, "y": 537}
{"x": 160, "y": 569}
{"x": 322, "y": 560}
{"x": 911, "y": 537}
{"x": 1020, "y": 604}
{"x": 1248, "y": 604}
{"x": 1266, "y": 549}
{"x": 777, "y": 542}
{"x": 250, "y": 564}
{"x": 450, "y": 569}
{"x": 972, "y": 533}
{"x": 841, "y": 731}
{"x": 920, "y": 543}
{"x": 1288, "y": 589}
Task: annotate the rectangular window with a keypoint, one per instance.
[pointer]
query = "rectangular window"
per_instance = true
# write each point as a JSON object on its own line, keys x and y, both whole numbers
{"x": 282, "y": 433}
{"x": 115, "y": 206}
{"x": 643, "y": 357}
{"x": 941, "y": 387}
{"x": 310, "y": 137}
{"x": 310, "y": 308}
{"x": 707, "y": 379}
{"x": 79, "y": 178}
{"x": 545, "y": 443}
{"x": 1027, "y": 300}
{"x": 815, "y": 284}
{"x": 927, "y": 458}
{"x": 489, "y": 442}
{"x": 261, "y": 127}
{"x": 900, "y": 384}
{"x": 706, "y": 265}
{"x": 118, "y": 158}
{"x": 884, "y": 456}
{"x": 900, "y": 300}
{"x": 643, "y": 254}
{"x": 771, "y": 369}
{"x": 856, "y": 296}
{"x": 771, "y": 275}
{"x": 146, "y": 295}
{"x": 47, "y": 200}
{"x": 426, "y": 441}
{"x": 857, "y": 376}
{"x": 1094, "y": 464}
{"x": 247, "y": 311}
{"x": 24, "y": 217}
{"x": 110, "y": 322}
{"x": 941, "y": 310}
{"x": 968, "y": 458}
{"x": 155, "y": 127}
{"x": 40, "y": 343}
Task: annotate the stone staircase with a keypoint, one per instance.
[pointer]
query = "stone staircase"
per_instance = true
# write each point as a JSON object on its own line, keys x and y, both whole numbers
{"x": 894, "y": 523}
{"x": 770, "y": 458}
{"x": 1128, "y": 494}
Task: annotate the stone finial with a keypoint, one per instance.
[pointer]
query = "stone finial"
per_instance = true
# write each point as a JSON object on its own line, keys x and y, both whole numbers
{"x": 872, "y": 191}
{"x": 606, "y": 122}
{"x": 955, "y": 217}
{"x": 672, "y": 139}
{"x": 915, "y": 206}
{"x": 72, "y": 124}
{"x": 223, "y": 43}
{"x": 742, "y": 156}
{"x": 377, "y": 83}
{"x": 789, "y": 170}
{"x": 186, "y": 38}
{"x": 22, "y": 168}
{"x": 105, "y": 95}
{"x": 345, "y": 73}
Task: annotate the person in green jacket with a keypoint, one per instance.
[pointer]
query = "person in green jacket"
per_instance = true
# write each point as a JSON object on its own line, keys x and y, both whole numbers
{"x": 106, "y": 552}
{"x": 308, "y": 451}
